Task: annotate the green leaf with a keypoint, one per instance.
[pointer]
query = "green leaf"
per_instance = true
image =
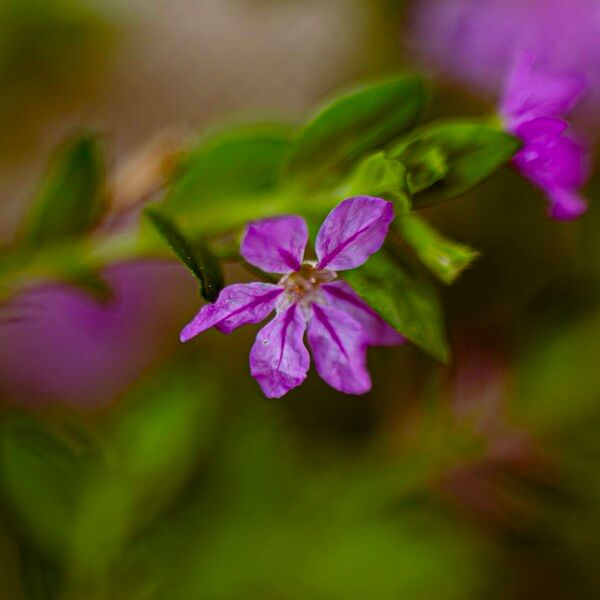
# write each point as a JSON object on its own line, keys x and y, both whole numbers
{"x": 42, "y": 579}
{"x": 196, "y": 255}
{"x": 445, "y": 258}
{"x": 378, "y": 175}
{"x": 21, "y": 270}
{"x": 427, "y": 169}
{"x": 558, "y": 379}
{"x": 405, "y": 299}
{"x": 355, "y": 124}
{"x": 447, "y": 159}
{"x": 244, "y": 161}
{"x": 72, "y": 194}
{"x": 154, "y": 446}
{"x": 87, "y": 280}
{"x": 40, "y": 481}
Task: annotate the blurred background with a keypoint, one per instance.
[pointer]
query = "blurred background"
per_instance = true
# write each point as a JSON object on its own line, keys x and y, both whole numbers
{"x": 132, "y": 467}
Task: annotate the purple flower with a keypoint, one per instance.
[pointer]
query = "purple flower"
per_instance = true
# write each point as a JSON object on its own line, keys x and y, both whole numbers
{"x": 475, "y": 41}
{"x": 59, "y": 346}
{"x": 308, "y": 297}
{"x": 533, "y": 107}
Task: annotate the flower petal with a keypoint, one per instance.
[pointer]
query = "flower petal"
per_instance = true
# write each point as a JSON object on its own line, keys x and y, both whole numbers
{"x": 237, "y": 305}
{"x": 531, "y": 93}
{"x": 275, "y": 245}
{"x": 279, "y": 360}
{"x": 559, "y": 164}
{"x": 542, "y": 131}
{"x": 566, "y": 205}
{"x": 338, "y": 344}
{"x": 377, "y": 331}
{"x": 353, "y": 230}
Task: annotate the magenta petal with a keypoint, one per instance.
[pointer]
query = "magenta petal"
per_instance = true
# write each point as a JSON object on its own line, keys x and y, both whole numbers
{"x": 275, "y": 245}
{"x": 569, "y": 161}
{"x": 237, "y": 305}
{"x": 377, "y": 331}
{"x": 279, "y": 360}
{"x": 339, "y": 345}
{"x": 531, "y": 93}
{"x": 353, "y": 230}
{"x": 566, "y": 205}
{"x": 558, "y": 164}
{"x": 541, "y": 131}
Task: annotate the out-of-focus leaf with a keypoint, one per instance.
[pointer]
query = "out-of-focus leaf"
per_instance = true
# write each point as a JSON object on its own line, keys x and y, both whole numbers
{"x": 40, "y": 481}
{"x": 447, "y": 159}
{"x": 320, "y": 558}
{"x": 167, "y": 423}
{"x": 445, "y": 258}
{"x": 269, "y": 522}
{"x": 427, "y": 169}
{"x": 558, "y": 375}
{"x": 42, "y": 580}
{"x": 22, "y": 270}
{"x": 387, "y": 559}
{"x": 89, "y": 281}
{"x": 196, "y": 255}
{"x": 72, "y": 195}
{"x": 354, "y": 124}
{"x": 11, "y": 582}
{"x": 155, "y": 444}
{"x": 240, "y": 162}
{"x": 405, "y": 299}
{"x": 380, "y": 176}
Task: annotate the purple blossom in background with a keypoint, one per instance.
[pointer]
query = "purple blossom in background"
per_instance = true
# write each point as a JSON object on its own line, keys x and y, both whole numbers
{"x": 58, "y": 345}
{"x": 533, "y": 106}
{"x": 475, "y": 41}
{"x": 308, "y": 297}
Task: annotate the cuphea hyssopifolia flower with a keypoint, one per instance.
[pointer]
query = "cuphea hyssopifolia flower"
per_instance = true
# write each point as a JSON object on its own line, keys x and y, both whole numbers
{"x": 533, "y": 108}
{"x": 309, "y": 296}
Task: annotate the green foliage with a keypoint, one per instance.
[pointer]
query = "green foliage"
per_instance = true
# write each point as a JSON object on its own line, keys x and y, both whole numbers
{"x": 231, "y": 178}
{"x": 405, "y": 299}
{"x": 353, "y": 125}
{"x": 445, "y": 258}
{"x": 447, "y": 159}
{"x": 152, "y": 450}
{"x": 77, "y": 504}
{"x": 53, "y": 243}
{"x": 238, "y": 163}
{"x": 196, "y": 255}
{"x": 378, "y": 175}
{"x": 42, "y": 580}
{"x": 41, "y": 474}
{"x": 71, "y": 197}
{"x": 87, "y": 280}
{"x": 427, "y": 168}
{"x": 559, "y": 377}
{"x": 21, "y": 269}
{"x": 256, "y": 171}
{"x": 266, "y": 520}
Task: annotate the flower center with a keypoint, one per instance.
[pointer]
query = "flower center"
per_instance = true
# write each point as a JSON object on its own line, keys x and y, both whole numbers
{"x": 303, "y": 284}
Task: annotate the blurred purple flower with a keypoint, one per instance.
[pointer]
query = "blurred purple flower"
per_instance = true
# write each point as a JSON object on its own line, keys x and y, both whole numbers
{"x": 58, "y": 345}
{"x": 475, "y": 41}
{"x": 533, "y": 106}
{"x": 340, "y": 324}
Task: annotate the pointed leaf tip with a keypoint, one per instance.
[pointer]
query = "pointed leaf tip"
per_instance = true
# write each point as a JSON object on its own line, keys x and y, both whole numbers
{"x": 71, "y": 196}
{"x": 195, "y": 255}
